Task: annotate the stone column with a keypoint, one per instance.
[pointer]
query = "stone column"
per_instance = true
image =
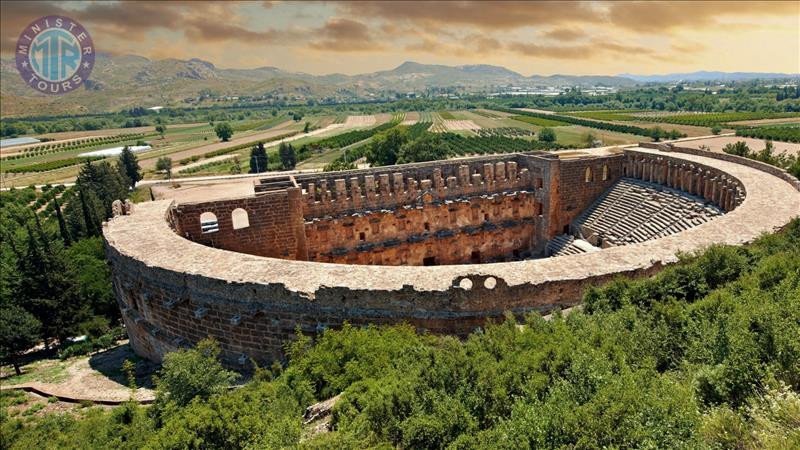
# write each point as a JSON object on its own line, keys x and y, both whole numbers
{"x": 355, "y": 192}
{"x": 500, "y": 172}
{"x": 369, "y": 188}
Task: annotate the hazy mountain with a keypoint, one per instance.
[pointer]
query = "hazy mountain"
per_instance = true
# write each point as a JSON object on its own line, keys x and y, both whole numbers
{"x": 709, "y": 76}
{"x": 123, "y": 81}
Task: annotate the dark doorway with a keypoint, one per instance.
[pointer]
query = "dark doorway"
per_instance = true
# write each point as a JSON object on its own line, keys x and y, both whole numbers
{"x": 566, "y": 229}
{"x": 429, "y": 261}
{"x": 475, "y": 257}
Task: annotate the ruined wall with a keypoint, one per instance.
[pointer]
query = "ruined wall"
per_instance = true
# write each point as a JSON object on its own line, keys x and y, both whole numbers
{"x": 489, "y": 228}
{"x": 580, "y": 182}
{"x": 274, "y": 224}
{"x": 165, "y": 310}
{"x": 408, "y": 185}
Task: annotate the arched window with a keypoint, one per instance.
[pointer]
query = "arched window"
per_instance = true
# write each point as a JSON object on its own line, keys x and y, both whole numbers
{"x": 588, "y": 175}
{"x": 208, "y": 222}
{"x": 240, "y": 219}
{"x": 605, "y": 172}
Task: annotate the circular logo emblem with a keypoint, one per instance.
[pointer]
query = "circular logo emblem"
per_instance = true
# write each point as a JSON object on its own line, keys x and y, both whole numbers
{"x": 55, "y": 54}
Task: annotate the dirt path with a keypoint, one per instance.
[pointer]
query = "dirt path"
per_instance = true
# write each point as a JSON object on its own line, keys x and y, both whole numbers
{"x": 97, "y": 378}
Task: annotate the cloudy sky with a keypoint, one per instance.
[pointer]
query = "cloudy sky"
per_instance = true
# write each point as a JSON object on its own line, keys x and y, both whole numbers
{"x": 356, "y": 37}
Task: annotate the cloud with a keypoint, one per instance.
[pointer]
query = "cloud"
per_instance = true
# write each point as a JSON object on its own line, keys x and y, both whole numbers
{"x": 564, "y": 34}
{"x": 580, "y": 51}
{"x": 345, "y": 35}
{"x": 656, "y": 17}
{"x": 486, "y": 15}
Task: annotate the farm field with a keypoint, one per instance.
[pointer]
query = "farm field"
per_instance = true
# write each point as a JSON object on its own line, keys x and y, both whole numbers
{"x": 410, "y": 118}
{"x": 711, "y": 119}
{"x": 359, "y": 121}
{"x": 577, "y": 135}
{"x": 758, "y": 122}
{"x": 538, "y": 121}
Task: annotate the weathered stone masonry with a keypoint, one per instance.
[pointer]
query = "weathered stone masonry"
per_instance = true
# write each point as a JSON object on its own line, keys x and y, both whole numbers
{"x": 174, "y": 288}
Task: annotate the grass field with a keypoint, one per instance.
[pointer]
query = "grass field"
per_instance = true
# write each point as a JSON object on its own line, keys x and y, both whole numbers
{"x": 539, "y": 121}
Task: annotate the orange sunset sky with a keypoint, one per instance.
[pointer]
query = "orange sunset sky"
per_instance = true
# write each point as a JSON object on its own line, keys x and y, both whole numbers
{"x": 356, "y": 37}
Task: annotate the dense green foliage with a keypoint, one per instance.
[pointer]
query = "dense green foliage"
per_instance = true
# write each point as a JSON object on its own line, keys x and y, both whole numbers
{"x": 259, "y": 162}
{"x": 288, "y": 156}
{"x": 547, "y": 135}
{"x": 352, "y": 137}
{"x": 776, "y": 133}
{"x": 790, "y": 163}
{"x": 54, "y": 273}
{"x": 703, "y": 355}
{"x": 224, "y": 131}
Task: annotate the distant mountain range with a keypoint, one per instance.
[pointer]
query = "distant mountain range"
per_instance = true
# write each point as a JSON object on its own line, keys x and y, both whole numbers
{"x": 708, "y": 76}
{"x": 122, "y": 81}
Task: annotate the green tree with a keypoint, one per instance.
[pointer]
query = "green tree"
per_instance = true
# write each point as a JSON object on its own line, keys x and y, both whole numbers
{"x": 288, "y": 155}
{"x": 190, "y": 373}
{"x": 430, "y": 147}
{"x": 236, "y": 168}
{"x": 128, "y": 165}
{"x": 307, "y": 127}
{"x": 224, "y": 131}
{"x": 19, "y": 331}
{"x": 738, "y": 148}
{"x": 161, "y": 129}
{"x": 716, "y": 129}
{"x": 547, "y": 135}
{"x": 385, "y": 147}
{"x": 259, "y": 162}
{"x": 164, "y": 164}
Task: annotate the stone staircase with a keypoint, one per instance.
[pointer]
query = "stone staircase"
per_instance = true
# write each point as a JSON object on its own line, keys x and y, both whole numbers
{"x": 634, "y": 211}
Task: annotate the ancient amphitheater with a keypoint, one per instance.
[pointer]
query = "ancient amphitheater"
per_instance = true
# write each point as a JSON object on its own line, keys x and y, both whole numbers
{"x": 444, "y": 245}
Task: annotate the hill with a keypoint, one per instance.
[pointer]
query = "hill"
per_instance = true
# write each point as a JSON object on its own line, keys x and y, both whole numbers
{"x": 123, "y": 81}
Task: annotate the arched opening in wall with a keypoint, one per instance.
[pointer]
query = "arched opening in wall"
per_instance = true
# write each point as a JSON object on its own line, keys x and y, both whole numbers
{"x": 475, "y": 257}
{"x": 429, "y": 261}
{"x": 588, "y": 175}
{"x": 625, "y": 171}
{"x": 240, "y": 219}
{"x": 208, "y": 222}
{"x": 605, "y": 172}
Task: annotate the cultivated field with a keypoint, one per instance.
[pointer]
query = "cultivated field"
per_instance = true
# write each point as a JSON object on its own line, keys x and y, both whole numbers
{"x": 359, "y": 121}
{"x": 410, "y": 118}
{"x": 460, "y": 125}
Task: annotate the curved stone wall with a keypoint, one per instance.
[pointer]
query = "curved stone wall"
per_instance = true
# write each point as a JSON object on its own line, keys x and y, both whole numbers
{"x": 174, "y": 292}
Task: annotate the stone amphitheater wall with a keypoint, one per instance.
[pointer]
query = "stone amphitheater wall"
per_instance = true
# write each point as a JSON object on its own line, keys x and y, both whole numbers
{"x": 174, "y": 289}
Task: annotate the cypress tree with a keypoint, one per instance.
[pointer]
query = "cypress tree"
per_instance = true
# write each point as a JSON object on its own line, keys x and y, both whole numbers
{"x": 62, "y": 224}
{"x": 258, "y": 159}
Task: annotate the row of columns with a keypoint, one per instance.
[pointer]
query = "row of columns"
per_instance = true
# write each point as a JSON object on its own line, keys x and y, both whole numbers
{"x": 702, "y": 181}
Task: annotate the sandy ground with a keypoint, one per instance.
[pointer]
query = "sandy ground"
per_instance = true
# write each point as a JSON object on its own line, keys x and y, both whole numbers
{"x": 716, "y": 143}
{"x": 99, "y": 377}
